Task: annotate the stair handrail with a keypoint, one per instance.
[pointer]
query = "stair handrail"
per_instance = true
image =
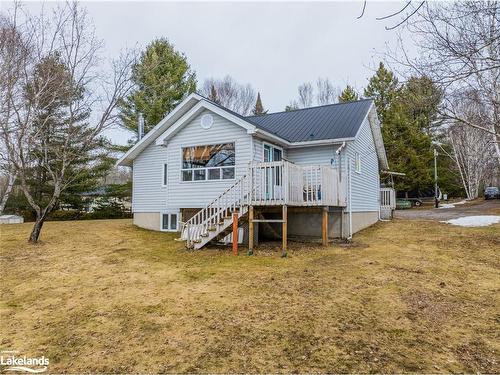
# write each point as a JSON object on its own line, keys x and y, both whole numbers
{"x": 211, "y": 213}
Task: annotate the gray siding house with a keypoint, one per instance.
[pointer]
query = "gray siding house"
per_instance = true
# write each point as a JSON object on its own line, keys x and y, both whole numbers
{"x": 308, "y": 172}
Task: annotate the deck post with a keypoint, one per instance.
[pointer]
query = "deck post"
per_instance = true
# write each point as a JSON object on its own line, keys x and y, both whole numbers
{"x": 324, "y": 227}
{"x": 250, "y": 230}
{"x": 284, "y": 232}
{"x": 235, "y": 233}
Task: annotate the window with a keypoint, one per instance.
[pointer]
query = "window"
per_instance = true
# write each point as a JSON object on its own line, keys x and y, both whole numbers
{"x": 357, "y": 162}
{"x": 208, "y": 162}
{"x": 169, "y": 222}
{"x": 165, "y": 174}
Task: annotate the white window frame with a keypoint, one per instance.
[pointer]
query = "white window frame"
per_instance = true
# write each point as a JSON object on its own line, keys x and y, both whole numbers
{"x": 170, "y": 213}
{"x": 206, "y": 169}
{"x": 357, "y": 162}
{"x": 272, "y": 146}
{"x": 164, "y": 175}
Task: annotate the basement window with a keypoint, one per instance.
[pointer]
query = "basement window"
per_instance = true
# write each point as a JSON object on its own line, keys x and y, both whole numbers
{"x": 169, "y": 221}
{"x": 208, "y": 162}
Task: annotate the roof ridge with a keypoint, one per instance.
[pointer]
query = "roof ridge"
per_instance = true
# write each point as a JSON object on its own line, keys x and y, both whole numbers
{"x": 314, "y": 107}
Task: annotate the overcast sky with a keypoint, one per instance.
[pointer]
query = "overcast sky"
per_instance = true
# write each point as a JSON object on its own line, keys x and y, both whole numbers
{"x": 274, "y": 46}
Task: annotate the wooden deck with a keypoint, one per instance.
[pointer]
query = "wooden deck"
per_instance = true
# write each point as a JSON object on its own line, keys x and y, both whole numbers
{"x": 283, "y": 183}
{"x": 266, "y": 184}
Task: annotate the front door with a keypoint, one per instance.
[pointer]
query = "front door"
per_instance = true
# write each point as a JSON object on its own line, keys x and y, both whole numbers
{"x": 273, "y": 174}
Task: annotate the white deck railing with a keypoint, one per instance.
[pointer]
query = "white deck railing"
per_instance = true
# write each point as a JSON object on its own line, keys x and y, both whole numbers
{"x": 387, "y": 202}
{"x": 266, "y": 184}
{"x": 278, "y": 183}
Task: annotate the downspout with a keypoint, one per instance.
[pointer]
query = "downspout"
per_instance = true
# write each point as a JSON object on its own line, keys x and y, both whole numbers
{"x": 251, "y": 149}
{"x": 349, "y": 198}
{"x": 338, "y": 152}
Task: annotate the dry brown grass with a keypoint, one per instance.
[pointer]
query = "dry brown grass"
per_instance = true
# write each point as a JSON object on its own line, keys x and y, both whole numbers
{"x": 104, "y": 296}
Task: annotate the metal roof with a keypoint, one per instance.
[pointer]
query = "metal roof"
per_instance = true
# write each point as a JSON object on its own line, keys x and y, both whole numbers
{"x": 333, "y": 121}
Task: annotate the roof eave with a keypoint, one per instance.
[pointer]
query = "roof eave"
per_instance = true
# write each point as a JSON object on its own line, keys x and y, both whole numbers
{"x": 132, "y": 153}
{"x": 283, "y": 142}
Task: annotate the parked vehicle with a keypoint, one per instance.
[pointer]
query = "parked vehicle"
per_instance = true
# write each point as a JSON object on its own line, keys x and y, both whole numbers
{"x": 419, "y": 197}
{"x": 492, "y": 192}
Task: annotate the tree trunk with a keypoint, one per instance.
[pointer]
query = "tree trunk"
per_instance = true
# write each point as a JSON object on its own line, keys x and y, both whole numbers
{"x": 8, "y": 190}
{"x": 37, "y": 228}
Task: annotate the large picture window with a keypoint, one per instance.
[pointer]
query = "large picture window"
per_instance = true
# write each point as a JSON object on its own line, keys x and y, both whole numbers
{"x": 208, "y": 162}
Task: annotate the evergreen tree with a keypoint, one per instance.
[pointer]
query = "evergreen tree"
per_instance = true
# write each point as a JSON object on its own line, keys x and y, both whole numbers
{"x": 58, "y": 121}
{"x": 409, "y": 149}
{"x": 162, "y": 79}
{"x": 405, "y": 112}
{"x": 383, "y": 88}
{"x": 259, "y": 108}
{"x": 423, "y": 98}
{"x": 348, "y": 94}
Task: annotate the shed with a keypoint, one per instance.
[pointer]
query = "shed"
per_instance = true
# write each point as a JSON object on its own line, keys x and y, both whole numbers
{"x": 11, "y": 219}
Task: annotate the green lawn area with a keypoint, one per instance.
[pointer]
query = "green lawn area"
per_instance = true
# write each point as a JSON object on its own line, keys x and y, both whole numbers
{"x": 105, "y": 296}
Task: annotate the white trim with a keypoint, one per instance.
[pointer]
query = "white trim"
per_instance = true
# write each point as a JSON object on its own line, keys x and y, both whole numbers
{"x": 378, "y": 140}
{"x": 169, "y": 213}
{"x": 320, "y": 142}
{"x": 164, "y": 173}
{"x": 131, "y": 154}
{"x": 357, "y": 162}
{"x": 202, "y": 104}
{"x": 264, "y": 144}
{"x": 207, "y": 168}
{"x": 251, "y": 129}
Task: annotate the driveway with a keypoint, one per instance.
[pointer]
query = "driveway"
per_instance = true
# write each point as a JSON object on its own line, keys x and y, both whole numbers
{"x": 480, "y": 207}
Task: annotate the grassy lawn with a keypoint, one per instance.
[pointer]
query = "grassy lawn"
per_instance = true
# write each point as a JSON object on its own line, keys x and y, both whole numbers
{"x": 104, "y": 296}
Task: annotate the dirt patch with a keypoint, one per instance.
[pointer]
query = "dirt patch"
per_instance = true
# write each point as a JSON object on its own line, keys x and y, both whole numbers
{"x": 430, "y": 307}
{"x": 478, "y": 357}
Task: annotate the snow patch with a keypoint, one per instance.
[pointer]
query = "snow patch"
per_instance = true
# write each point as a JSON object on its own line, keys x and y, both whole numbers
{"x": 446, "y": 205}
{"x": 474, "y": 221}
{"x": 451, "y": 205}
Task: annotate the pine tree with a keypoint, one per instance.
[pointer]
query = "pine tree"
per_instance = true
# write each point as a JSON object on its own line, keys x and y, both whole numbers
{"x": 348, "y": 94}
{"x": 163, "y": 78}
{"x": 383, "y": 88}
{"x": 409, "y": 149}
{"x": 259, "y": 108}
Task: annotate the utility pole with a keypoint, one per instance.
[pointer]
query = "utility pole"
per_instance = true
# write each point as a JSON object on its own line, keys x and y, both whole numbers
{"x": 436, "y": 201}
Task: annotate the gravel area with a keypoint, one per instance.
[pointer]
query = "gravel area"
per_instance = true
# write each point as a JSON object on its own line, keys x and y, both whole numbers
{"x": 479, "y": 207}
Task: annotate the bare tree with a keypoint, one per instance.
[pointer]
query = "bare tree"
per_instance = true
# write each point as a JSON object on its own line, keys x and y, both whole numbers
{"x": 401, "y": 14}
{"x": 472, "y": 149}
{"x": 459, "y": 49}
{"x": 230, "y": 94}
{"x": 326, "y": 92}
{"x": 306, "y": 95}
{"x": 13, "y": 54}
{"x": 56, "y": 88}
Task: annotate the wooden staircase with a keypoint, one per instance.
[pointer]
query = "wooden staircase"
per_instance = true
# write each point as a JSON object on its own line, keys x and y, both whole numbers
{"x": 265, "y": 184}
{"x": 215, "y": 220}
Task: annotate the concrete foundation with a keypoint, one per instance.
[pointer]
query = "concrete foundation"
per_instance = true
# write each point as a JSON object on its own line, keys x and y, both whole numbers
{"x": 147, "y": 220}
{"x": 361, "y": 220}
{"x": 301, "y": 223}
{"x": 308, "y": 224}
